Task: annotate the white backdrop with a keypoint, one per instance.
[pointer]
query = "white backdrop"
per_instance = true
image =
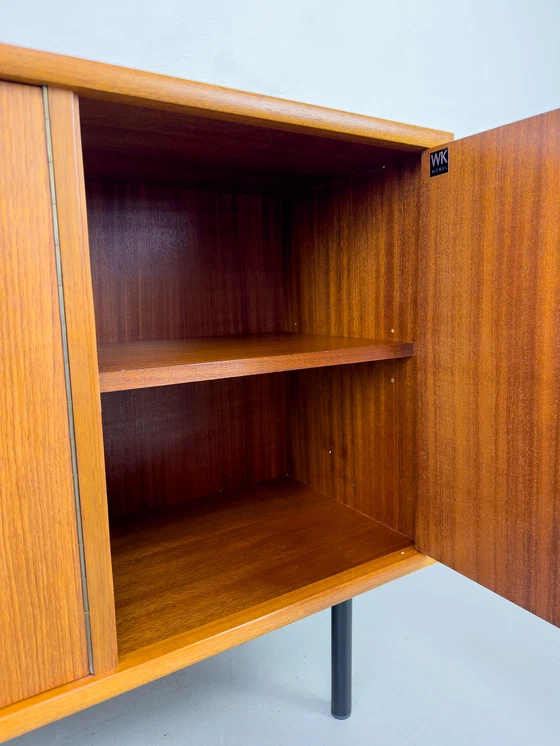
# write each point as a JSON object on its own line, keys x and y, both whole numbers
{"x": 459, "y": 65}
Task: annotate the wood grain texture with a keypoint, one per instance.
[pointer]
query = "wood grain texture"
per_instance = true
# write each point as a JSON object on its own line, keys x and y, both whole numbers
{"x": 97, "y": 80}
{"x": 164, "y": 445}
{"x": 42, "y": 627}
{"x": 341, "y": 434}
{"x": 172, "y": 263}
{"x": 282, "y": 164}
{"x": 161, "y": 363}
{"x": 210, "y": 558}
{"x": 174, "y": 653}
{"x": 489, "y": 423}
{"x": 133, "y": 143}
{"x": 351, "y": 259}
{"x": 80, "y": 327}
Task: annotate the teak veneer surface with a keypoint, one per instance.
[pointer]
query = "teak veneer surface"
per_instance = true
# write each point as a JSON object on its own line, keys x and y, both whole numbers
{"x": 160, "y": 363}
{"x": 108, "y": 82}
{"x": 167, "y": 444}
{"x": 489, "y": 417}
{"x": 351, "y": 267}
{"x": 210, "y": 558}
{"x": 173, "y": 263}
{"x": 42, "y": 621}
{"x": 84, "y": 379}
{"x": 163, "y": 658}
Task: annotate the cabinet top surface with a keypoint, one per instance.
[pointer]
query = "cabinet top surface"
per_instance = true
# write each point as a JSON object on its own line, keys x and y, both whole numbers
{"x": 109, "y": 82}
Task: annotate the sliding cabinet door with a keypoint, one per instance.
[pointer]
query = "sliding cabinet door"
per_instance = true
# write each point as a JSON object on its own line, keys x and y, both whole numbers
{"x": 43, "y": 637}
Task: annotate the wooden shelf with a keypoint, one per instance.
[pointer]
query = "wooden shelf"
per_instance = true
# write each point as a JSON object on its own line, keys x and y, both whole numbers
{"x": 203, "y": 562}
{"x": 144, "y": 364}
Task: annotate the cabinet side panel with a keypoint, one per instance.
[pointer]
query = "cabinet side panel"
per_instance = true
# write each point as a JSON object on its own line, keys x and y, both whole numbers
{"x": 82, "y": 351}
{"x": 489, "y": 363}
{"x": 42, "y": 624}
{"x": 351, "y": 266}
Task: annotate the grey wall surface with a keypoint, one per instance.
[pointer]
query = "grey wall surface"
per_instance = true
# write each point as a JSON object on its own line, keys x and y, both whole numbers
{"x": 462, "y": 66}
{"x": 439, "y": 661}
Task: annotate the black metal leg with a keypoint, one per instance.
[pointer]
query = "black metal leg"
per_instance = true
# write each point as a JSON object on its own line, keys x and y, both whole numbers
{"x": 341, "y": 657}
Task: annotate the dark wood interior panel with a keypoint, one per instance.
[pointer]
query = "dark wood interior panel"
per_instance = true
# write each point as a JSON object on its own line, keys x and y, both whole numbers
{"x": 169, "y": 263}
{"x": 164, "y": 445}
{"x": 342, "y": 438}
{"x": 489, "y": 418}
{"x": 351, "y": 267}
{"x": 124, "y": 142}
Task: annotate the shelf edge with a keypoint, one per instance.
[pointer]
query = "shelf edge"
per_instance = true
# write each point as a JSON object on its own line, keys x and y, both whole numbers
{"x": 138, "y": 378}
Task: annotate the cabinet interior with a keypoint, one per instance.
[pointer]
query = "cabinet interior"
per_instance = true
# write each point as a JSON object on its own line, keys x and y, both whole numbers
{"x": 254, "y": 294}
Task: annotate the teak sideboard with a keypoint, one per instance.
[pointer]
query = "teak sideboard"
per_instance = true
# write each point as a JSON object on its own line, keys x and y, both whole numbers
{"x": 258, "y": 357}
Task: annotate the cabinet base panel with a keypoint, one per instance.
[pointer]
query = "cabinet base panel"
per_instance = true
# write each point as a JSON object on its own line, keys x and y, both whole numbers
{"x": 137, "y": 666}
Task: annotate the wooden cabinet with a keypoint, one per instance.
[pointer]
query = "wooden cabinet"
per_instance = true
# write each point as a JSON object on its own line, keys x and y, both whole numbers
{"x": 261, "y": 362}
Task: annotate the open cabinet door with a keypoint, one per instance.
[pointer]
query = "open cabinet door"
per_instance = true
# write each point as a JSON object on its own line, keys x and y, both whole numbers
{"x": 489, "y": 361}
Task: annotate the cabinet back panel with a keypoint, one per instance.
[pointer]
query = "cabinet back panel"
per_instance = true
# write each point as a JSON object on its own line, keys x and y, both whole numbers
{"x": 169, "y": 262}
{"x": 172, "y": 443}
{"x": 352, "y": 254}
